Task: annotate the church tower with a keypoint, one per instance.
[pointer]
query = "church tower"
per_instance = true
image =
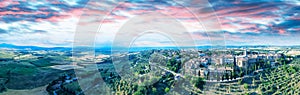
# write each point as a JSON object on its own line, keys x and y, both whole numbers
{"x": 245, "y": 52}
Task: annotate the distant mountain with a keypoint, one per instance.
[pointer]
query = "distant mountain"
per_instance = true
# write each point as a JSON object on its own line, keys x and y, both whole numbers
{"x": 5, "y": 45}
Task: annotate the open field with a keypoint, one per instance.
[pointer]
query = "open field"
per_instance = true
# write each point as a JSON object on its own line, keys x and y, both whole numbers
{"x": 35, "y": 91}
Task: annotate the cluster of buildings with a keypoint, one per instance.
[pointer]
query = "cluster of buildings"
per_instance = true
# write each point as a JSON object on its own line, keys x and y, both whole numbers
{"x": 247, "y": 58}
{"x": 204, "y": 64}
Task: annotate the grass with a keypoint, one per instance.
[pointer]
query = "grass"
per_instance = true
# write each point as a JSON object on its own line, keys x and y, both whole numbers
{"x": 42, "y": 62}
{"x": 36, "y": 91}
{"x": 26, "y": 76}
{"x": 16, "y": 69}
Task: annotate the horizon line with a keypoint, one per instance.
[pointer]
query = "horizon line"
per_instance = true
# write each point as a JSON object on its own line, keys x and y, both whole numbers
{"x": 37, "y": 46}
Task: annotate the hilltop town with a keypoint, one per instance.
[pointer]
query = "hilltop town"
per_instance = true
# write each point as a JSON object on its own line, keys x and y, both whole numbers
{"x": 233, "y": 64}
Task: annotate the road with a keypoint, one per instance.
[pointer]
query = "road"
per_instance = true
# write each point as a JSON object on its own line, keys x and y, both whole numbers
{"x": 174, "y": 73}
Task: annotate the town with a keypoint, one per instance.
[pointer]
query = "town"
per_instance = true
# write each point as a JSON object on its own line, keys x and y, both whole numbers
{"x": 232, "y": 65}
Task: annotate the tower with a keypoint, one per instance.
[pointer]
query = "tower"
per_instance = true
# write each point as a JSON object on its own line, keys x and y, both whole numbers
{"x": 245, "y": 52}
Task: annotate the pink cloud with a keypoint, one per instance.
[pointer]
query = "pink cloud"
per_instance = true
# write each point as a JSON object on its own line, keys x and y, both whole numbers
{"x": 296, "y": 29}
{"x": 62, "y": 15}
{"x": 247, "y": 13}
{"x": 5, "y": 3}
{"x": 21, "y": 13}
{"x": 294, "y": 18}
{"x": 281, "y": 31}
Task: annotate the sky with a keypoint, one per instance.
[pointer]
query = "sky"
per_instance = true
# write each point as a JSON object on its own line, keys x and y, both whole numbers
{"x": 54, "y": 23}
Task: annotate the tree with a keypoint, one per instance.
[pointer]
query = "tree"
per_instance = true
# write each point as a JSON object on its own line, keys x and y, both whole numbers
{"x": 246, "y": 86}
{"x": 229, "y": 89}
{"x": 154, "y": 91}
{"x": 111, "y": 74}
{"x": 260, "y": 77}
{"x": 167, "y": 89}
{"x": 2, "y": 88}
{"x": 140, "y": 91}
{"x": 268, "y": 64}
{"x": 227, "y": 76}
{"x": 241, "y": 74}
{"x": 105, "y": 71}
{"x": 240, "y": 81}
{"x": 222, "y": 77}
{"x": 231, "y": 75}
{"x": 207, "y": 75}
{"x": 199, "y": 83}
{"x": 253, "y": 82}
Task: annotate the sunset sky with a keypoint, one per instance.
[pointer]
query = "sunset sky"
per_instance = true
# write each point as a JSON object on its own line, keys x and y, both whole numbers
{"x": 51, "y": 23}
